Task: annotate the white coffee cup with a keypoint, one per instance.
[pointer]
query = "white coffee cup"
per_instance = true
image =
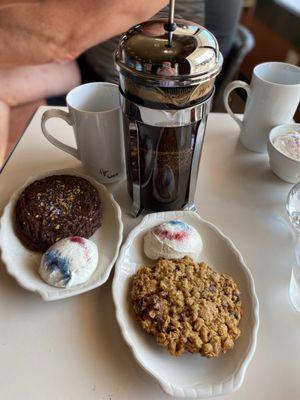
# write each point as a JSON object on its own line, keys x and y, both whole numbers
{"x": 95, "y": 115}
{"x": 273, "y": 97}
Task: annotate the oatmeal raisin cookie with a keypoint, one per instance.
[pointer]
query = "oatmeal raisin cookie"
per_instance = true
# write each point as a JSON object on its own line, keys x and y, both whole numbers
{"x": 187, "y": 306}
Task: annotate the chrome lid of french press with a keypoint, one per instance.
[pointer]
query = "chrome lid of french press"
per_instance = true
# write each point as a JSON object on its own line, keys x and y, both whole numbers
{"x": 187, "y": 55}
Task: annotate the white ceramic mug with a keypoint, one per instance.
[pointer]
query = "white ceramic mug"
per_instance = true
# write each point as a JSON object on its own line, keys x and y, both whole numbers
{"x": 273, "y": 97}
{"x": 95, "y": 115}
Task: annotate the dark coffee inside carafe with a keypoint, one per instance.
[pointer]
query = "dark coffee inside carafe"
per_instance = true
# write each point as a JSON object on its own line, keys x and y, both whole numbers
{"x": 159, "y": 162}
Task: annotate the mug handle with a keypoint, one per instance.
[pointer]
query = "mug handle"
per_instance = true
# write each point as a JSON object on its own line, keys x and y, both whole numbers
{"x": 66, "y": 117}
{"x": 229, "y": 88}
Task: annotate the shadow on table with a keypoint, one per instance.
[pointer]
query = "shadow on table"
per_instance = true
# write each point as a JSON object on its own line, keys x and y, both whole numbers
{"x": 248, "y": 176}
{"x": 10, "y": 288}
{"x": 105, "y": 342}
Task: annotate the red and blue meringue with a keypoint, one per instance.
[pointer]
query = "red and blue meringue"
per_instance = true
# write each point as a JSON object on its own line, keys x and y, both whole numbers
{"x": 69, "y": 262}
{"x": 173, "y": 240}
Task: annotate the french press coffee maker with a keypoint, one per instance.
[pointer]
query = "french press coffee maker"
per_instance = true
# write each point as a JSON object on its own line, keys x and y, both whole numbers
{"x": 167, "y": 71}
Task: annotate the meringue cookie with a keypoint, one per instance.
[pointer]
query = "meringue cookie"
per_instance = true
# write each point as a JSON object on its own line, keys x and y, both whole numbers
{"x": 173, "y": 240}
{"x": 69, "y": 262}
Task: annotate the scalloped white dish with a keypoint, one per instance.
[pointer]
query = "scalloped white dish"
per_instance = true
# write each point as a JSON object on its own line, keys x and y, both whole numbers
{"x": 190, "y": 375}
{"x": 23, "y": 264}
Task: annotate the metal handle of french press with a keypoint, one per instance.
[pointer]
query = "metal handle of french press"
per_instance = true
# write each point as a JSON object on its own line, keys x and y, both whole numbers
{"x": 171, "y": 26}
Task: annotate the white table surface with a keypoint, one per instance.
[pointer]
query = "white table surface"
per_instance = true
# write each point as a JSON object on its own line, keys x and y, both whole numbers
{"x": 73, "y": 350}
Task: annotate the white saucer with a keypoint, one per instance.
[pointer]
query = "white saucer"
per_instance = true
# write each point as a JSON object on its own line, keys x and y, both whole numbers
{"x": 23, "y": 264}
{"x": 190, "y": 375}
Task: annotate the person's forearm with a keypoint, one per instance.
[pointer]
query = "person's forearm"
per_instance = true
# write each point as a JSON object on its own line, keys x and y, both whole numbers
{"x": 5, "y": 3}
{"x": 56, "y": 30}
{"x": 117, "y": 17}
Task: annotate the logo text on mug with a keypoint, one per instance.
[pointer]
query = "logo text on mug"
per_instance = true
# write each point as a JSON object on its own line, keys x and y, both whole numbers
{"x": 106, "y": 174}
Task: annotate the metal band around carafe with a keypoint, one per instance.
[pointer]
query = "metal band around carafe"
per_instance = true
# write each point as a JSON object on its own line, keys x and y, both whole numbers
{"x": 166, "y": 118}
{"x": 195, "y": 165}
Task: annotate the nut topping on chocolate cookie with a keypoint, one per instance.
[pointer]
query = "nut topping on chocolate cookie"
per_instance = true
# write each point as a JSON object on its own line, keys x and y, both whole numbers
{"x": 57, "y": 207}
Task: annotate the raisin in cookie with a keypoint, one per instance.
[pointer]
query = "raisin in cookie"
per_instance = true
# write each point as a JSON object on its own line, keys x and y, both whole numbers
{"x": 187, "y": 306}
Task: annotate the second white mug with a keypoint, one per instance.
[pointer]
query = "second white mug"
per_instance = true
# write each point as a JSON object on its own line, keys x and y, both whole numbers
{"x": 95, "y": 115}
{"x": 273, "y": 97}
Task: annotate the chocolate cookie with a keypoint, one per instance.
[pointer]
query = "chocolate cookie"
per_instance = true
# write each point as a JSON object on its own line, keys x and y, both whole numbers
{"x": 57, "y": 207}
{"x": 187, "y": 306}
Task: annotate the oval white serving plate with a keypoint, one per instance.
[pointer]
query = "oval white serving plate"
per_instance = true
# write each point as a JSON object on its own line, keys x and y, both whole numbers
{"x": 189, "y": 375}
{"x": 23, "y": 264}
